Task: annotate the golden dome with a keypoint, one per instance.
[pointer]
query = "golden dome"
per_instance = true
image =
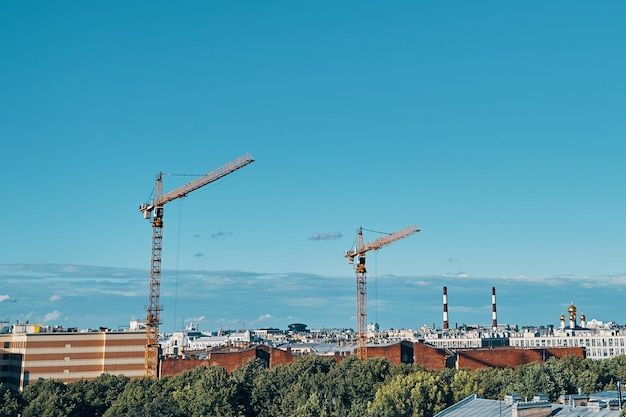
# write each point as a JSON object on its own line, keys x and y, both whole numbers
{"x": 562, "y": 317}
{"x": 582, "y": 317}
{"x": 572, "y": 309}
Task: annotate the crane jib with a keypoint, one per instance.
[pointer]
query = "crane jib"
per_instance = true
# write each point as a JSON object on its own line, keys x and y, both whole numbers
{"x": 207, "y": 179}
{"x": 151, "y": 353}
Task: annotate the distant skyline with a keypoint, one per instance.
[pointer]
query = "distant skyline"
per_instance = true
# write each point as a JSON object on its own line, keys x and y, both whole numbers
{"x": 237, "y": 299}
{"x": 497, "y": 128}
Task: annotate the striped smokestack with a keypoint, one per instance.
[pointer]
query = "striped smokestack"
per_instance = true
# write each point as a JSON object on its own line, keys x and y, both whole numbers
{"x": 445, "y": 308}
{"x": 494, "y": 319}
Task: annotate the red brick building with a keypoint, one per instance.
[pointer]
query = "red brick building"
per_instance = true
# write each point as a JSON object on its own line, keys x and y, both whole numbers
{"x": 406, "y": 352}
{"x": 510, "y": 357}
{"x": 229, "y": 359}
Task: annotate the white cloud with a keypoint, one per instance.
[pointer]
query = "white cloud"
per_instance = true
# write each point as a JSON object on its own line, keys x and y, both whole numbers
{"x": 221, "y": 235}
{"x": 321, "y": 300}
{"x": 263, "y": 318}
{"x": 470, "y": 309}
{"x": 134, "y": 293}
{"x": 52, "y": 316}
{"x": 326, "y": 236}
{"x": 307, "y": 301}
{"x": 195, "y": 319}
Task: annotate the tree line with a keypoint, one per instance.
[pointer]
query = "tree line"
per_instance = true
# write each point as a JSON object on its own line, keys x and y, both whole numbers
{"x": 312, "y": 386}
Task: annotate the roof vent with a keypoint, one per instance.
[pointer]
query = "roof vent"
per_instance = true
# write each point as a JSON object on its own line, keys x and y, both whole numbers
{"x": 512, "y": 398}
{"x": 596, "y": 404}
{"x": 532, "y": 409}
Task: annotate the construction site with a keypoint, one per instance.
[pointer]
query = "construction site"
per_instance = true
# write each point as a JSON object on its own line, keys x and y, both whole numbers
{"x": 30, "y": 352}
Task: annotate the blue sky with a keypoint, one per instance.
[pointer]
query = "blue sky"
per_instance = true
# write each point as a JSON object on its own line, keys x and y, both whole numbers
{"x": 496, "y": 127}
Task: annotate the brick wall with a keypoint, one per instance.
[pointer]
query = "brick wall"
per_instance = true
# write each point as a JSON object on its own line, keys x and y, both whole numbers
{"x": 231, "y": 360}
{"x": 397, "y": 353}
{"x": 560, "y": 352}
{"x": 428, "y": 356}
{"x": 174, "y": 366}
{"x": 390, "y": 352}
{"x": 228, "y": 359}
{"x": 281, "y": 357}
{"x": 510, "y": 357}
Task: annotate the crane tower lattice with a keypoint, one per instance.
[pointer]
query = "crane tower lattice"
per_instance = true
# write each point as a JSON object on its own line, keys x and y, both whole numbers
{"x": 361, "y": 279}
{"x": 154, "y": 210}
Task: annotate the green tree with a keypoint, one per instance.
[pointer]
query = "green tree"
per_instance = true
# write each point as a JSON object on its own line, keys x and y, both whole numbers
{"x": 612, "y": 370}
{"x": 535, "y": 378}
{"x": 9, "y": 402}
{"x": 210, "y": 393}
{"x": 493, "y": 382}
{"x": 145, "y": 397}
{"x": 312, "y": 407}
{"x": 93, "y": 398}
{"x": 420, "y": 393}
{"x": 465, "y": 383}
{"x": 269, "y": 389}
{"x": 48, "y": 398}
{"x": 243, "y": 382}
{"x": 357, "y": 381}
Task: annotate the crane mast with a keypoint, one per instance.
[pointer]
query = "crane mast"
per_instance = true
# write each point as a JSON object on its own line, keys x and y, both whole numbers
{"x": 155, "y": 209}
{"x": 361, "y": 279}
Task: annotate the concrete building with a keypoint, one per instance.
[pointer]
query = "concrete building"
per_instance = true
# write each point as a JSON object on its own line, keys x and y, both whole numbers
{"x": 31, "y": 352}
{"x": 599, "y": 340}
{"x": 191, "y": 339}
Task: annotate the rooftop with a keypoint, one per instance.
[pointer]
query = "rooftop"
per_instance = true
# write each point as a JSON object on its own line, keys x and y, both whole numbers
{"x": 474, "y": 405}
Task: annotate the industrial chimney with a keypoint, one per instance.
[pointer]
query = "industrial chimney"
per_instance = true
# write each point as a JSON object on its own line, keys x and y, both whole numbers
{"x": 445, "y": 308}
{"x": 494, "y": 319}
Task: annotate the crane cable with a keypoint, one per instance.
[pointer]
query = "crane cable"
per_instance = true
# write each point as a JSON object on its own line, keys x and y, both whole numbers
{"x": 374, "y": 231}
{"x": 180, "y": 213}
{"x": 375, "y": 286}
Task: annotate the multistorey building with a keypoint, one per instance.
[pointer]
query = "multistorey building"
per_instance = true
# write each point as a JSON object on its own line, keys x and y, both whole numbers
{"x": 32, "y": 352}
{"x": 599, "y": 340}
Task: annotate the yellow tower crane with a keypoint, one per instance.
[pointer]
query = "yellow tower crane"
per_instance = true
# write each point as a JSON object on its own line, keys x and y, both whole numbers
{"x": 361, "y": 279}
{"x": 156, "y": 206}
